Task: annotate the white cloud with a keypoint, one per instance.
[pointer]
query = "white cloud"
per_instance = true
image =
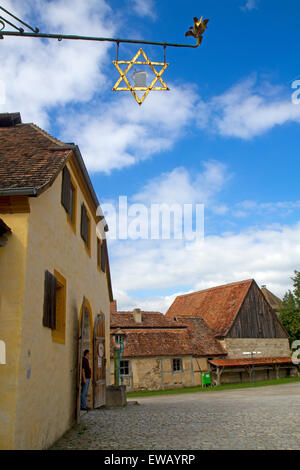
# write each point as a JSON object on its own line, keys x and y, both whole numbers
{"x": 182, "y": 187}
{"x": 144, "y": 8}
{"x": 43, "y": 74}
{"x": 157, "y": 303}
{"x": 120, "y": 133}
{"x": 269, "y": 256}
{"x": 280, "y": 208}
{"x": 48, "y": 76}
{"x": 247, "y": 110}
{"x": 44, "y": 77}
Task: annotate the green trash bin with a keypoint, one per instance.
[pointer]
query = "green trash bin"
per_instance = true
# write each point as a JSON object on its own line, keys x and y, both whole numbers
{"x": 206, "y": 378}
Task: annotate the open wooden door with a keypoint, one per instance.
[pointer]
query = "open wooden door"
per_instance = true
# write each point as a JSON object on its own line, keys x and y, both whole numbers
{"x": 79, "y": 363}
{"x": 99, "y": 361}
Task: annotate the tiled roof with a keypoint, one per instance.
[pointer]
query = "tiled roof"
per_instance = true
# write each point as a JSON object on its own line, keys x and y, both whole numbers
{"x": 201, "y": 337}
{"x": 156, "y": 342}
{"x": 149, "y": 320}
{"x": 157, "y": 335}
{"x": 29, "y": 157}
{"x": 218, "y": 306}
{"x": 249, "y": 361}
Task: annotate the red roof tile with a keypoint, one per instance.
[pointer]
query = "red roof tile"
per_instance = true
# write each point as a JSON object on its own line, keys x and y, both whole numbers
{"x": 29, "y": 157}
{"x": 157, "y": 335}
{"x": 149, "y": 320}
{"x": 249, "y": 361}
{"x": 153, "y": 342}
{"x": 201, "y": 337}
{"x": 218, "y": 306}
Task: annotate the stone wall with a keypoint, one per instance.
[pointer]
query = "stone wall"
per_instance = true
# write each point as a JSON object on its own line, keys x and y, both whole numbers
{"x": 269, "y": 347}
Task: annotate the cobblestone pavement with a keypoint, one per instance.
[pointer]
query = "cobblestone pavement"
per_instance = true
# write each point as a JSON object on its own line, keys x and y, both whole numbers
{"x": 262, "y": 418}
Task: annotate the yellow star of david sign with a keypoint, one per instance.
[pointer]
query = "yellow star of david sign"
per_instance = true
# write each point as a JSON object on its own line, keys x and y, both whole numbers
{"x": 133, "y": 89}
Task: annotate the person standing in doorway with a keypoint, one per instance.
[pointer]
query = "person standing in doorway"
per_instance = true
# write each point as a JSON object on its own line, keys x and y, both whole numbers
{"x": 86, "y": 378}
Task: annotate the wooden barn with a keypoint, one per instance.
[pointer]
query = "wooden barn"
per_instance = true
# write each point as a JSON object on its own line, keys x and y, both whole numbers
{"x": 256, "y": 344}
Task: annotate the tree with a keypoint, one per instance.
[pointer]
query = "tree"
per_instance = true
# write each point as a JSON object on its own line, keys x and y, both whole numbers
{"x": 289, "y": 312}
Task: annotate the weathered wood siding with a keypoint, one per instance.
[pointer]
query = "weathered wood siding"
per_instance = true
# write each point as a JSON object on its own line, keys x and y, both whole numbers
{"x": 256, "y": 319}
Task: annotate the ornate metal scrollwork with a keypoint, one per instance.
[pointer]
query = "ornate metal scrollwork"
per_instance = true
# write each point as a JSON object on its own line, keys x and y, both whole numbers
{"x": 14, "y": 22}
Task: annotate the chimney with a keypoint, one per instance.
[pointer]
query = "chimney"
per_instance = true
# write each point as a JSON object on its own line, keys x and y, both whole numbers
{"x": 10, "y": 119}
{"x": 137, "y": 315}
{"x": 264, "y": 286}
{"x": 113, "y": 306}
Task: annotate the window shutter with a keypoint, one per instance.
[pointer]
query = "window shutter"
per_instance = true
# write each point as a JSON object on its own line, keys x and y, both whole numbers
{"x": 84, "y": 227}
{"x": 103, "y": 257}
{"x": 66, "y": 190}
{"x": 98, "y": 251}
{"x": 49, "y": 317}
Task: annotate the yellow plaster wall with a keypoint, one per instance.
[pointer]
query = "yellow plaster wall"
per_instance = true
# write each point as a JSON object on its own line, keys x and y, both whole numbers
{"x": 46, "y": 399}
{"x": 12, "y": 270}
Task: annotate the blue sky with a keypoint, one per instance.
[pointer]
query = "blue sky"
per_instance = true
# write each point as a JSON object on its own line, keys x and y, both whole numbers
{"x": 226, "y": 134}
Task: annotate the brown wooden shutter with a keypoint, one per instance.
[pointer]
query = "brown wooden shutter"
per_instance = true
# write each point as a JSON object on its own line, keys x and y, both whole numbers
{"x": 103, "y": 256}
{"x": 98, "y": 251}
{"x": 49, "y": 317}
{"x": 84, "y": 226}
{"x": 66, "y": 190}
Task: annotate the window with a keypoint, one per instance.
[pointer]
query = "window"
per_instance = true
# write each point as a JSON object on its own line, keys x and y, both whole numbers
{"x": 59, "y": 332}
{"x": 68, "y": 196}
{"x": 85, "y": 226}
{"x": 124, "y": 367}
{"x": 177, "y": 365}
{"x": 54, "y": 316}
{"x": 98, "y": 252}
{"x": 72, "y": 202}
{"x": 49, "y": 316}
{"x": 103, "y": 256}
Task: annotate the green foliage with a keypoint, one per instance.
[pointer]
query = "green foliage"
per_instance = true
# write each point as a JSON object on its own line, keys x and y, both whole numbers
{"x": 289, "y": 312}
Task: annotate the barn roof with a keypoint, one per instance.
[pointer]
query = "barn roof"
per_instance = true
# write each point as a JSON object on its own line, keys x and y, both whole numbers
{"x": 218, "y": 306}
{"x": 157, "y": 335}
{"x": 249, "y": 361}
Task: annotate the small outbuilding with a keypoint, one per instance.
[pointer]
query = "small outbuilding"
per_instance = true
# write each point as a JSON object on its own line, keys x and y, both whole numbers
{"x": 162, "y": 352}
